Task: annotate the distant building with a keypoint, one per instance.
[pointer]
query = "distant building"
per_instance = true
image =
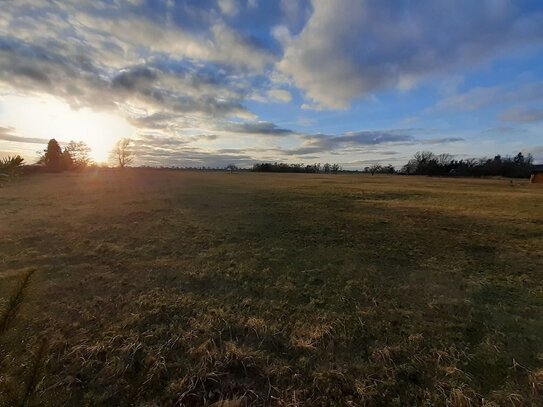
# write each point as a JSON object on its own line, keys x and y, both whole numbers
{"x": 537, "y": 174}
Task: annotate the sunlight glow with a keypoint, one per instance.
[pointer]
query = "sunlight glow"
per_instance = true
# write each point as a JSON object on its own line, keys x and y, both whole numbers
{"x": 48, "y": 117}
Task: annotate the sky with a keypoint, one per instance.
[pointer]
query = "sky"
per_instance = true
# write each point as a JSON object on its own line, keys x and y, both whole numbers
{"x": 215, "y": 82}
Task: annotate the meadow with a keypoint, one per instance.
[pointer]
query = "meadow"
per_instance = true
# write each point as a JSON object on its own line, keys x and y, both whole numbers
{"x": 154, "y": 287}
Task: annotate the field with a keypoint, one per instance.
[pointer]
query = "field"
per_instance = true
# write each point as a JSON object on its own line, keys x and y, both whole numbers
{"x": 148, "y": 287}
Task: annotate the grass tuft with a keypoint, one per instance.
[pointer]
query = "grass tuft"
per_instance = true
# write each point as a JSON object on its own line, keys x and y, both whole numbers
{"x": 11, "y": 306}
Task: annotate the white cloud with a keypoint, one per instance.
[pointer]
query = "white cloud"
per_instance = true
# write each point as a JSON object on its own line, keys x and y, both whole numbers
{"x": 349, "y": 48}
{"x": 229, "y": 8}
{"x": 280, "y": 95}
{"x": 482, "y": 97}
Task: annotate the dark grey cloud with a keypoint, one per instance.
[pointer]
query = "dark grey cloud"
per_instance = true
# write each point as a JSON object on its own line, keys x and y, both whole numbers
{"x": 134, "y": 78}
{"x": 319, "y": 143}
{"x": 159, "y": 120}
{"x": 33, "y": 69}
{"x": 372, "y": 138}
{"x": 184, "y": 156}
{"x": 206, "y": 137}
{"x": 504, "y": 130}
{"x": 443, "y": 140}
{"x": 262, "y": 128}
{"x": 363, "y": 141}
{"x": 6, "y": 134}
{"x": 160, "y": 142}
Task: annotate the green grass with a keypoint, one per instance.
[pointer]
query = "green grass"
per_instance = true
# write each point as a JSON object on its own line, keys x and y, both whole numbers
{"x": 144, "y": 287}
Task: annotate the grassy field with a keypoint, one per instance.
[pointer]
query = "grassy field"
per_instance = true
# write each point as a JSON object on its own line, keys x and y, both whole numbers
{"x": 146, "y": 287}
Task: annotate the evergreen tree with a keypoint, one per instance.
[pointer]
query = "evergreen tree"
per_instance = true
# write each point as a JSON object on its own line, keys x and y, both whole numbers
{"x": 52, "y": 156}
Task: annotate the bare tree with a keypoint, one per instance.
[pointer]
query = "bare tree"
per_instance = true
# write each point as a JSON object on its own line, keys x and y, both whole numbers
{"x": 121, "y": 153}
{"x": 375, "y": 168}
{"x": 444, "y": 159}
{"x": 79, "y": 153}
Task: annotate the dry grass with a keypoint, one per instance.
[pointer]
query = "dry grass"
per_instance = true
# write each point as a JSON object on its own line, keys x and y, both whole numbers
{"x": 189, "y": 289}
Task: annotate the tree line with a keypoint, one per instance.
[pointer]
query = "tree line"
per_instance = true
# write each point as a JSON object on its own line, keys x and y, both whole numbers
{"x": 75, "y": 156}
{"x": 297, "y": 168}
{"x": 423, "y": 163}
{"x": 428, "y": 163}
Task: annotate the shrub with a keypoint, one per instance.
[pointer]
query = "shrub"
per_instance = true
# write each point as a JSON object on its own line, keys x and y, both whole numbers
{"x": 9, "y": 167}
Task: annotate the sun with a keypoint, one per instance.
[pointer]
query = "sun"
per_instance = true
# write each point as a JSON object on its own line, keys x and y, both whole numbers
{"x": 48, "y": 117}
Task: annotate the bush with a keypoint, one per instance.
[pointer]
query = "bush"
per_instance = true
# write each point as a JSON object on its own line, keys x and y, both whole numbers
{"x": 9, "y": 167}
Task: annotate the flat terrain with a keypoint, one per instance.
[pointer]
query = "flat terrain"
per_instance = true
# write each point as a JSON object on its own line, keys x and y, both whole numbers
{"x": 147, "y": 287}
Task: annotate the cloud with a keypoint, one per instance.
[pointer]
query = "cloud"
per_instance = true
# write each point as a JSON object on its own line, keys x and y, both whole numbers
{"x": 505, "y": 130}
{"x": 6, "y": 134}
{"x": 349, "y": 49}
{"x": 319, "y": 143}
{"x": 295, "y": 12}
{"x": 132, "y": 79}
{"x": 372, "y": 138}
{"x": 537, "y": 153}
{"x": 444, "y": 140}
{"x": 180, "y": 155}
{"x": 352, "y": 141}
{"x": 260, "y": 128}
{"x": 229, "y": 8}
{"x": 474, "y": 99}
{"x": 522, "y": 115}
{"x": 279, "y": 95}
{"x": 483, "y": 97}
{"x": 218, "y": 44}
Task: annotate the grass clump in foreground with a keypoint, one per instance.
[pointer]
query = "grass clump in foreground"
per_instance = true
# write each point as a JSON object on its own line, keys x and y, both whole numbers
{"x": 175, "y": 288}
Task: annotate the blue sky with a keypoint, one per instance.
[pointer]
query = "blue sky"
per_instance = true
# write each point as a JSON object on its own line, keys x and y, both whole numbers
{"x": 213, "y": 82}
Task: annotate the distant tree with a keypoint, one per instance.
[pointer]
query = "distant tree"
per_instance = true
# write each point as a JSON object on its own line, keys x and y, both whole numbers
{"x": 79, "y": 154}
{"x": 296, "y": 168}
{"x": 52, "y": 156}
{"x": 231, "y": 167}
{"x": 121, "y": 153}
{"x": 423, "y": 162}
{"x": 389, "y": 169}
{"x": 410, "y": 168}
{"x": 372, "y": 169}
{"x": 444, "y": 159}
{"x": 66, "y": 162}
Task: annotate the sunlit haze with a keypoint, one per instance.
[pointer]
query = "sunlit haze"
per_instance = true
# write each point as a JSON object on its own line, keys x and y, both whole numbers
{"x": 48, "y": 117}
